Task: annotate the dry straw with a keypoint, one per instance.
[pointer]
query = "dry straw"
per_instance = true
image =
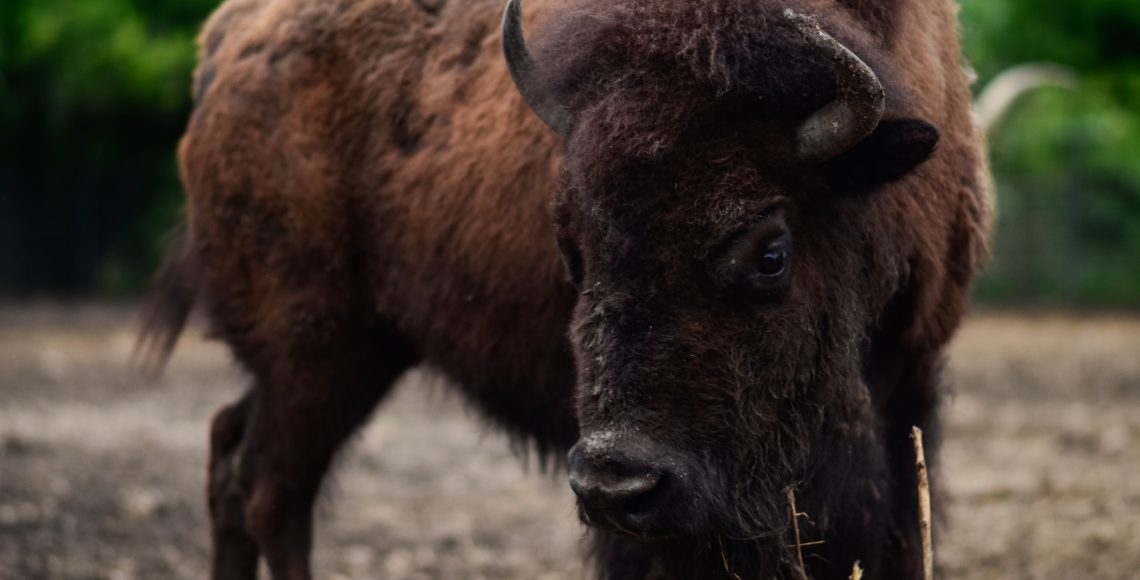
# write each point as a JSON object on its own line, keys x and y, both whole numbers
{"x": 923, "y": 517}
{"x": 923, "y": 505}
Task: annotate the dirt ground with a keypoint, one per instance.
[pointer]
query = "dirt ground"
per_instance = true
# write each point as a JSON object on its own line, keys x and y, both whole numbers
{"x": 101, "y": 472}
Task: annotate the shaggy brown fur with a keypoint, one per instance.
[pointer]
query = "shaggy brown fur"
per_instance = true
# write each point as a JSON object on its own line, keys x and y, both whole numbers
{"x": 366, "y": 192}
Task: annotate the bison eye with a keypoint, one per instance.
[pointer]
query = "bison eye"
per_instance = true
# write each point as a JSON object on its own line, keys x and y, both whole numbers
{"x": 754, "y": 262}
{"x": 772, "y": 262}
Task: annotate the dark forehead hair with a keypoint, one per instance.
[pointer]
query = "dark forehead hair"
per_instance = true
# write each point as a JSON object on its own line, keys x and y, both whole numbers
{"x": 645, "y": 74}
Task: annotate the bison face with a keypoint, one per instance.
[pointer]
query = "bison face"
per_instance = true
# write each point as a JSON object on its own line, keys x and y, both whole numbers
{"x": 722, "y": 223}
{"x": 693, "y": 351}
{"x": 715, "y": 337}
{"x": 726, "y": 292}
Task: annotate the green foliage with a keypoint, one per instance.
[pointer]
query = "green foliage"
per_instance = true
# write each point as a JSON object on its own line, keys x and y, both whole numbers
{"x": 1065, "y": 162}
{"x": 93, "y": 96}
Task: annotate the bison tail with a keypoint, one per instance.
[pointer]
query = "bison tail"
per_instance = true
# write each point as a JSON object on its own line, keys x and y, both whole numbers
{"x": 167, "y": 307}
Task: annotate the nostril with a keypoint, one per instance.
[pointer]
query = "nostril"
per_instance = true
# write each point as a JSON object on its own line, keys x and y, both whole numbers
{"x": 647, "y": 499}
{"x": 632, "y": 487}
{"x": 632, "y": 494}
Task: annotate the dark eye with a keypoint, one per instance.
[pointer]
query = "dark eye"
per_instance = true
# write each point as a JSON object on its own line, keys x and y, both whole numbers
{"x": 754, "y": 262}
{"x": 772, "y": 262}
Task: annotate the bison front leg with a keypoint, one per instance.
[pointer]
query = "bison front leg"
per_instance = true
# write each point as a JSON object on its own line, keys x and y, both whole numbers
{"x": 272, "y": 448}
{"x": 235, "y": 551}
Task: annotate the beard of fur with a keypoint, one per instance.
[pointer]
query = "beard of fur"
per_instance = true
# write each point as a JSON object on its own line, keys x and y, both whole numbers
{"x": 752, "y": 518}
{"x": 750, "y": 533}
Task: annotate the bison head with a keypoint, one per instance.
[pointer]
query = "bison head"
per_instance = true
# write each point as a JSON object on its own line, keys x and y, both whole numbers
{"x": 722, "y": 217}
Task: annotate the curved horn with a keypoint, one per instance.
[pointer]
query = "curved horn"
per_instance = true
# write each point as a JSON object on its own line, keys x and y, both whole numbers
{"x": 523, "y": 69}
{"x": 859, "y": 99}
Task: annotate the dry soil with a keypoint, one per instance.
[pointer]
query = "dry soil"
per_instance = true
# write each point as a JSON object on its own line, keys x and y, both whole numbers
{"x": 101, "y": 472}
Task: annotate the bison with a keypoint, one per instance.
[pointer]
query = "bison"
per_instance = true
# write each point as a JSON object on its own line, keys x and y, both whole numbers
{"x": 709, "y": 250}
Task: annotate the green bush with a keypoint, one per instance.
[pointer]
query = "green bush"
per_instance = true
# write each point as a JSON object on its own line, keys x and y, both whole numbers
{"x": 1066, "y": 164}
{"x": 93, "y": 96}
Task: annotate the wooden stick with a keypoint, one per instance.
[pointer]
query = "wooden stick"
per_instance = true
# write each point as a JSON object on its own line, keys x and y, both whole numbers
{"x": 923, "y": 506}
{"x": 796, "y": 530}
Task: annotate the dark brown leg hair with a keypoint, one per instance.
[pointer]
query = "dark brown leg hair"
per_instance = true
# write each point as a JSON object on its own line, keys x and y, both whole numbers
{"x": 271, "y": 449}
{"x": 235, "y": 552}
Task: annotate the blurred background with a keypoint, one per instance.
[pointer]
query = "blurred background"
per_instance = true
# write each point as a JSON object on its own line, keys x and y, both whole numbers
{"x": 94, "y": 95}
{"x": 101, "y": 473}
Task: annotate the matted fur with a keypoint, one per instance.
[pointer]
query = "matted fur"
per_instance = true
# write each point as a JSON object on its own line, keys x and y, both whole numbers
{"x": 366, "y": 191}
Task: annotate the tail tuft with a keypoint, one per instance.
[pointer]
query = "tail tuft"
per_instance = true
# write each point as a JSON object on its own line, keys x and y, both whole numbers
{"x": 167, "y": 307}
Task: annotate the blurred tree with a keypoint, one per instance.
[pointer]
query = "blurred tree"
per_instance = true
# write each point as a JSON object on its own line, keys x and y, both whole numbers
{"x": 93, "y": 96}
{"x": 1065, "y": 163}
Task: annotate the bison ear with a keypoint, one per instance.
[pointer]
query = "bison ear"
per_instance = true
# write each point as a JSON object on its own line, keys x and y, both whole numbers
{"x": 894, "y": 149}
